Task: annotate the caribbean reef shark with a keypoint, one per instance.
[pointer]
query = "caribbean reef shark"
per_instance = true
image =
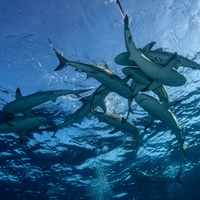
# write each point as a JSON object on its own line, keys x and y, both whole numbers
{"x": 84, "y": 110}
{"x": 142, "y": 82}
{"x": 24, "y": 104}
{"x": 102, "y": 74}
{"x": 165, "y": 75}
{"x": 158, "y": 56}
{"x": 145, "y": 177}
{"x": 22, "y": 125}
{"x": 120, "y": 123}
{"x": 162, "y": 112}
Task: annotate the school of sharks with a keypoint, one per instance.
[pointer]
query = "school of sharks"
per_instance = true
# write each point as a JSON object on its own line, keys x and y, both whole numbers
{"x": 144, "y": 69}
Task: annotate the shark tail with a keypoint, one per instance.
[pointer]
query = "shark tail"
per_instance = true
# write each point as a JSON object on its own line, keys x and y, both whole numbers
{"x": 120, "y": 8}
{"x": 63, "y": 61}
{"x": 177, "y": 178}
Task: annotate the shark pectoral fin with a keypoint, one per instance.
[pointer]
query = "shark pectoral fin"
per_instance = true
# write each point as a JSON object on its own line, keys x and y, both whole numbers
{"x": 114, "y": 131}
{"x": 136, "y": 87}
{"x": 122, "y": 59}
{"x": 18, "y": 95}
{"x": 22, "y": 136}
{"x": 145, "y": 50}
{"x": 149, "y": 121}
{"x": 162, "y": 94}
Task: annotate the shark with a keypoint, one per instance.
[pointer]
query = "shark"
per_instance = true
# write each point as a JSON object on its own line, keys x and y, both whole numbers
{"x": 84, "y": 110}
{"x": 145, "y": 177}
{"x": 21, "y": 125}
{"x": 158, "y": 56}
{"x": 165, "y": 75}
{"x": 24, "y": 104}
{"x": 102, "y": 74}
{"x": 119, "y": 123}
{"x": 161, "y": 111}
{"x": 142, "y": 82}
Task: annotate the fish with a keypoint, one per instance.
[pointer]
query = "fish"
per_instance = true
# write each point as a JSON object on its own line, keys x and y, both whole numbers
{"x": 84, "y": 110}
{"x": 142, "y": 82}
{"x": 24, "y": 104}
{"x": 161, "y": 111}
{"x": 165, "y": 75}
{"x": 119, "y": 123}
{"x": 21, "y": 125}
{"x": 145, "y": 177}
{"x": 102, "y": 74}
{"x": 158, "y": 56}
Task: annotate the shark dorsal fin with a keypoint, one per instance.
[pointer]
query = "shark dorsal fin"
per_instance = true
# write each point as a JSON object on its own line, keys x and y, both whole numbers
{"x": 18, "y": 94}
{"x": 147, "y": 48}
{"x": 106, "y": 65}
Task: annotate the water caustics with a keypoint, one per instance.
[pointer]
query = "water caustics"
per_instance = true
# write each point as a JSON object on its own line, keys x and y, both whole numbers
{"x": 103, "y": 141}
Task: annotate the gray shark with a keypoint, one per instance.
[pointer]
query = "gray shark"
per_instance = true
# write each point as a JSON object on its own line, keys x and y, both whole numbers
{"x": 145, "y": 177}
{"x": 165, "y": 75}
{"x": 158, "y": 56}
{"x": 142, "y": 82}
{"x": 24, "y": 104}
{"x": 102, "y": 74}
{"x": 161, "y": 111}
{"x": 120, "y": 123}
{"x": 21, "y": 125}
{"x": 84, "y": 110}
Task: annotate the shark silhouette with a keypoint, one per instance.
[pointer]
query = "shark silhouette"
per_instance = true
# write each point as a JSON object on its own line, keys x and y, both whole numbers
{"x": 144, "y": 177}
{"x": 119, "y": 123}
{"x": 158, "y": 56}
{"x": 24, "y": 104}
{"x": 162, "y": 112}
{"x": 21, "y": 125}
{"x": 165, "y": 75}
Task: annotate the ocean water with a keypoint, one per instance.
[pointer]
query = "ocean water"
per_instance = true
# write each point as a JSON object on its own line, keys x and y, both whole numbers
{"x": 83, "y": 161}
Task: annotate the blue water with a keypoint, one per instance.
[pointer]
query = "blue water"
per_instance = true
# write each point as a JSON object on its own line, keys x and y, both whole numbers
{"x": 83, "y": 161}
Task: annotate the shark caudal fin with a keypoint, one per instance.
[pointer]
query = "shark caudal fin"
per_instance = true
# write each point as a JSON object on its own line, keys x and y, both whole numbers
{"x": 63, "y": 61}
{"x": 120, "y": 8}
